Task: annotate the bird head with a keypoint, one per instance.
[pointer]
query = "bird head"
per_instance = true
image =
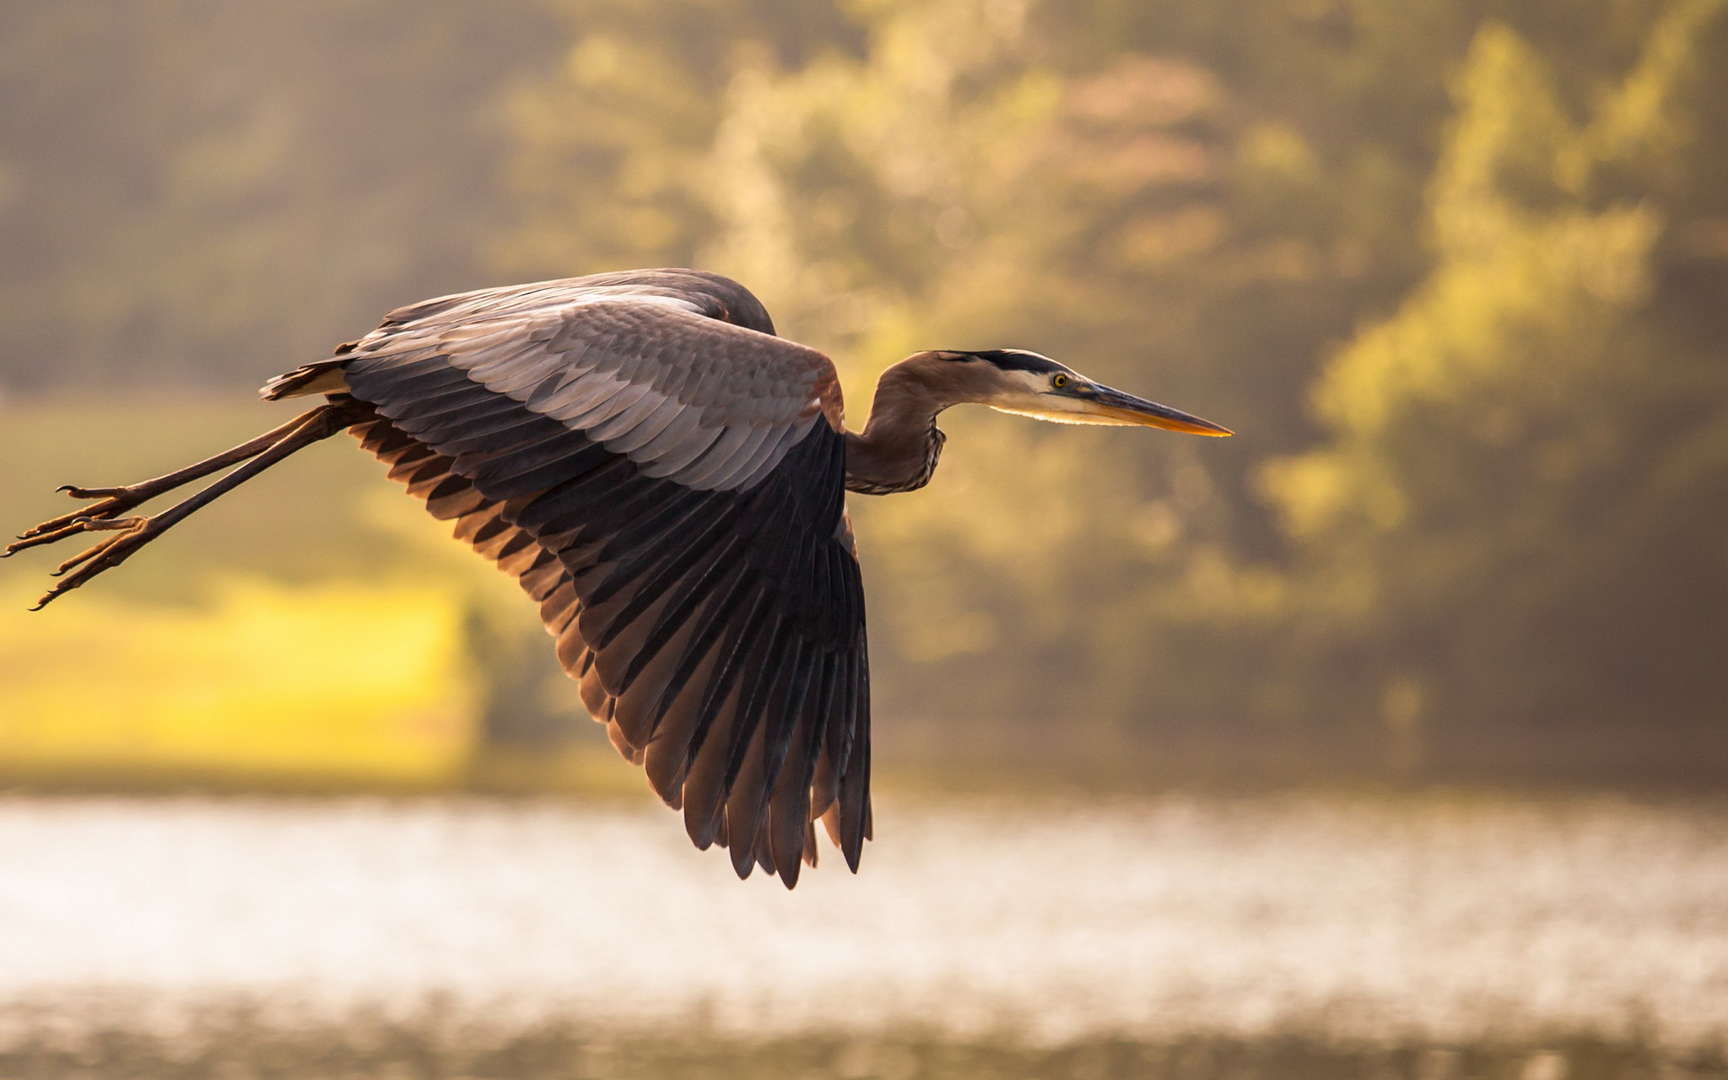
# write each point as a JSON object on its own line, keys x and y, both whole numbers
{"x": 1027, "y": 384}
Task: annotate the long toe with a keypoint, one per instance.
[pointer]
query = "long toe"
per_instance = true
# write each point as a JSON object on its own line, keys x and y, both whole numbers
{"x": 57, "y": 528}
{"x": 39, "y": 536}
{"x": 92, "y": 493}
{"x": 108, "y": 524}
{"x": 99, "y": 557}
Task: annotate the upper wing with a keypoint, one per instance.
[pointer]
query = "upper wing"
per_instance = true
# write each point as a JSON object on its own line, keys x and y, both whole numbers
{"x": 670, "y": 487}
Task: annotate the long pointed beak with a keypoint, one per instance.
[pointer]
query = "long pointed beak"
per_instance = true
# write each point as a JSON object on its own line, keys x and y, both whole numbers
{"x": 1118, "y": 407}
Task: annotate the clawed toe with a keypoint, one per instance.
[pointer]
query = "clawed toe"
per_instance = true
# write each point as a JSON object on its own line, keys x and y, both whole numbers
{"x": 106, "y": 554}
{"x": 63, "y": 526}
{"x": 134, "y": 524}
{"x": 37, "y": 536}
{"x": 128, "y": 534}
{"x": 91, "y": 493}
{"x": 100, "y": 516}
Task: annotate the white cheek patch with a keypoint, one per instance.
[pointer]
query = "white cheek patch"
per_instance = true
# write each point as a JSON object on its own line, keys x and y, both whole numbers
{"x": 1034, "y": 381}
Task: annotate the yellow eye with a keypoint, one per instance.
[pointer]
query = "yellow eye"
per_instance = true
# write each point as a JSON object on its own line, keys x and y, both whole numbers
{"x": 1058, "y": 381}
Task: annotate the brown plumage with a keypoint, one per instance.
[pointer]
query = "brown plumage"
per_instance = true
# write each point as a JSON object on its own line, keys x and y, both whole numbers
{"x": 666, "y": 480}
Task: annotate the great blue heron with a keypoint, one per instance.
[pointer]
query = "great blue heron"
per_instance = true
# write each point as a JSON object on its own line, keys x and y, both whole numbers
{"x": 667, "y": 480}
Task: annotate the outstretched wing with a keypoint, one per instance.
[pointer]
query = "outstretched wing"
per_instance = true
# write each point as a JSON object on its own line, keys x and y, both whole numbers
{"x": 668, "y": 483}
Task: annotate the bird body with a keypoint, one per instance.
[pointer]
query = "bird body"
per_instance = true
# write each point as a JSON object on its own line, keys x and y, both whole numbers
{"x": 666, "y": 479}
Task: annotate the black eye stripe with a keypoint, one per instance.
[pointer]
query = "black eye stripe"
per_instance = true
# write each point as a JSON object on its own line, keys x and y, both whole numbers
{"x": 1011, "y": 360}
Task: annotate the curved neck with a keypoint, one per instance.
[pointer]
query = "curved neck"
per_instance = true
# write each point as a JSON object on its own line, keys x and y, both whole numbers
{"x": 899, "y": 446}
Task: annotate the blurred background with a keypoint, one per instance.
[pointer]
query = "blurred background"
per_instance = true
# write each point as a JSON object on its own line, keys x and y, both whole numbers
{"x": 1385, "y": 739}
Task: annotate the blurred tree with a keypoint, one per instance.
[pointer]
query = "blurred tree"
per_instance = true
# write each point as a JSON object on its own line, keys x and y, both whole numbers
{"x": 1522, "y": 508}
{"x": 608, "y": 169}
{"x": 182, "y": 181}
{"x": 1069, "y": 180}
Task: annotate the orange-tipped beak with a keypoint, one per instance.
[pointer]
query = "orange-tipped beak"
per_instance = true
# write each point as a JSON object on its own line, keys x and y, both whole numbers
{"x": 1116, "y": 407}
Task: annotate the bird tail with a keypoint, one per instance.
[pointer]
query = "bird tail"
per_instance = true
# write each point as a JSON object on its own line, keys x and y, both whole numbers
{"x": 319, "y": 377}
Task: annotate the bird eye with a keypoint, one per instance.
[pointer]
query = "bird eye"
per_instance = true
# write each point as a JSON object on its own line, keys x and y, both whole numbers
{"x": 1058, "y": 381}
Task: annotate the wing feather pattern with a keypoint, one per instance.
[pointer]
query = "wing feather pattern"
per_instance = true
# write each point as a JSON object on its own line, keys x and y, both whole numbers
{"x": 665, "y": 479}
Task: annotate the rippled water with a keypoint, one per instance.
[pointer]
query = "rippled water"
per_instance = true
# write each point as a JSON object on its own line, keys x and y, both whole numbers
{"x": 1440, "y": 918}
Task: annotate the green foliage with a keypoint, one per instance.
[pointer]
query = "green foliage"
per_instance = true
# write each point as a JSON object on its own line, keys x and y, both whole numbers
{"x": 1523, "y": 500}
{"x": 609, "y": 150}
{"x": 213, "y": 193}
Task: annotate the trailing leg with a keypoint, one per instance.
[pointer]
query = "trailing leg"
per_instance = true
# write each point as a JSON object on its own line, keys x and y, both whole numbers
{"x": 126, "y": 496}
{"x": 132, "y": 533}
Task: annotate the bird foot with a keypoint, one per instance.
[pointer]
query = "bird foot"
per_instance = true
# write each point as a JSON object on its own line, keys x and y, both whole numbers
{"x": 114, "y": 500}
{"x": 103, "y": 516}
{"x": 131, "y": 533}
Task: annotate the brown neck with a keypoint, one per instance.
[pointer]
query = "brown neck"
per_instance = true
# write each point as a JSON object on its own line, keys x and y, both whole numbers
{"x": 898, "y": 448}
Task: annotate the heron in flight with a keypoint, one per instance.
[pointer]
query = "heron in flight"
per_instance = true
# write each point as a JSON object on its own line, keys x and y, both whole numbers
{"x": 666, "y": 479}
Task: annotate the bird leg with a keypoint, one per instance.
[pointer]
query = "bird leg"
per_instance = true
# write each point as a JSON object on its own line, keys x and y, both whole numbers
{"x": 126, "y": 496}
{"x": 132, "y": 533}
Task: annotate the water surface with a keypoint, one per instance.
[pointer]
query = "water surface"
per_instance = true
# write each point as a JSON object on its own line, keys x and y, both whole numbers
{"x": 1431, "y": 918}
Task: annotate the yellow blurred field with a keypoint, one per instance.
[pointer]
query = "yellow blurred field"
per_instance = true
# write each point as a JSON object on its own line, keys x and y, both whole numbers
{"x": 258, "y": 683}
{"x": 284, "y": 637}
